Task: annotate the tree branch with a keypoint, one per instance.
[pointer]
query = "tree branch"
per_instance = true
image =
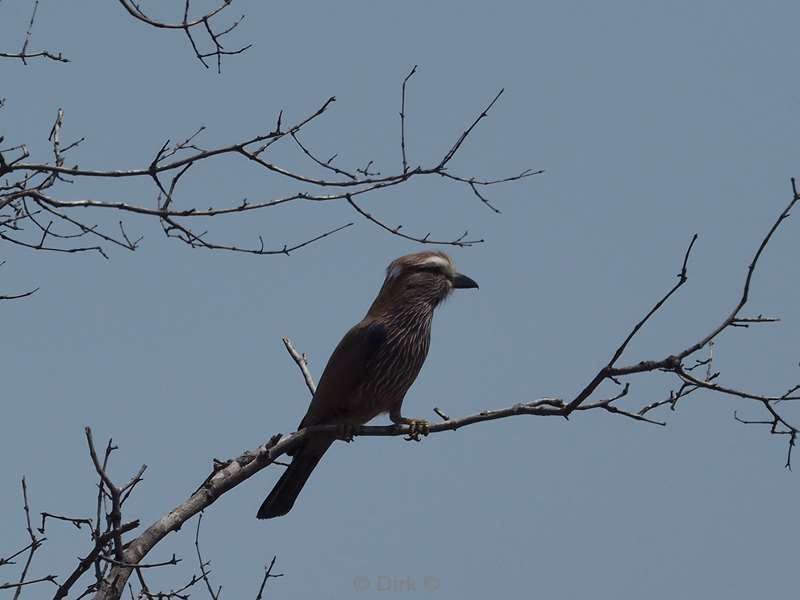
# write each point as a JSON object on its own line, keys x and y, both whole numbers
{"x": 32, "y": 188}
{"x": 188, "y": 25}
{"x": 24, "y": 55}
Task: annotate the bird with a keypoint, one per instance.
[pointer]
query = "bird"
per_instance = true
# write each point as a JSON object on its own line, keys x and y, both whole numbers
{"x": 373, "y": 366}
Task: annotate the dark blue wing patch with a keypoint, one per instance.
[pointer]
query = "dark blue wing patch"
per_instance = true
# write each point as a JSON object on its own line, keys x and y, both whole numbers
{"x": 345, "y": 371}
{"x": 374, "y": 336}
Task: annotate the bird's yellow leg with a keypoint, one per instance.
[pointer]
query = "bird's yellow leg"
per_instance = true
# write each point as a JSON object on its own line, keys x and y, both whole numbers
{"x": 416, "y": 427}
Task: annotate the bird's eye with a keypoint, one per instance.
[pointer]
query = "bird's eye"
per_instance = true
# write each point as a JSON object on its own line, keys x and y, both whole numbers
{"x": 430, "y": 269}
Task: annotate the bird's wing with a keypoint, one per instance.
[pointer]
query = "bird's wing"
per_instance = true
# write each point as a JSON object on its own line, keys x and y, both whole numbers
{"x": 345, "y": 372}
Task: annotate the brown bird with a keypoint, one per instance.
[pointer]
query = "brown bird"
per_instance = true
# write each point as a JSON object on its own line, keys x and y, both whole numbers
{"x": 373, "y": 366}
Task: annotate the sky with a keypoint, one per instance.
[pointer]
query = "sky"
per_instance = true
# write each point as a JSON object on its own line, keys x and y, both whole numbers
{"x": 652, "y": 120}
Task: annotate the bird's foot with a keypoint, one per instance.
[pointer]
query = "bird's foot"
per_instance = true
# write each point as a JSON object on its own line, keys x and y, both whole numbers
{"x": 345, "y": 432}
{"x": 416, "y": 428}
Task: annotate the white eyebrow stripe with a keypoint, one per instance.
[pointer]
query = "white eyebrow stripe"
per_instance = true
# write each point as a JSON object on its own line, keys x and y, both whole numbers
{"x": 436, "y": 260}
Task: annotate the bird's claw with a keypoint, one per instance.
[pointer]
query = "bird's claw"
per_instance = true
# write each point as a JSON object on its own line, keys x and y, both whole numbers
{"x": 416, "y": 428}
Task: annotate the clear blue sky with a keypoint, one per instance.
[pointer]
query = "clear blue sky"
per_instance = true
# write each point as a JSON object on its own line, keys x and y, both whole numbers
{"x": 653, "y": 120}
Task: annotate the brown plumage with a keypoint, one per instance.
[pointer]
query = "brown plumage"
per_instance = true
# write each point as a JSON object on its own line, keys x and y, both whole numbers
{"x": 373, "y": 366}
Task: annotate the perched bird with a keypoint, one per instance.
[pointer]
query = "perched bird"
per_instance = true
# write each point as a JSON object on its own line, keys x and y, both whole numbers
{"x": 373, "y": 366}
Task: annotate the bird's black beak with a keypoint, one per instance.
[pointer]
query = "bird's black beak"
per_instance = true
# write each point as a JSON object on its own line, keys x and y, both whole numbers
{"x": 462, "y": 281}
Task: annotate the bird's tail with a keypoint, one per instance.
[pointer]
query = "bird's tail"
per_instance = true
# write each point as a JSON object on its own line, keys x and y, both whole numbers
{"x": 282, "y": 497}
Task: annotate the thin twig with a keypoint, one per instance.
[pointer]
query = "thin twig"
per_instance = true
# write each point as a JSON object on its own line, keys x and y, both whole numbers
{"x": 302, "y": 363}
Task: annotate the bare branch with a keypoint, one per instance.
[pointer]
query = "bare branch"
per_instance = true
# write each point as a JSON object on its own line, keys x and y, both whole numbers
{"x": 688, "y": 378}
{"x": 240, "y": 469}
{"x": 203, "y": 564}
{"x": 25, "y": 54}
{"x": 325, "y": 165}
{"x": 20, "y": 585}
{"x": 452, "y": 152}
{"x": 31, "y": 548}
{"x": 189, "y": 25}
{"x": 86, "y": 563}
{"x": 77, "y": 522}
{"x": 673, "y": 362}
{"x": 171, "y": 562}
{"x": 37, "y": 183}
{"x": 40, "y": 54}
{"x": 461, "y": 241}
{"x": 302, "y": 363}
{"x": 403, "y": 119}
{"x": 267, "y": 575}
{"x": 22, "y": 295}
{"x": 115, "y": 493}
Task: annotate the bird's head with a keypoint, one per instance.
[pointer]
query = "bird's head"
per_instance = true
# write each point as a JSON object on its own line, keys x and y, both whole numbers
{"x": 422, "y": 277}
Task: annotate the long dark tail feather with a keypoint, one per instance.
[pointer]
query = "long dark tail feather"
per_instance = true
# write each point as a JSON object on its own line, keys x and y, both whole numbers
{"x": 283, "y": 495}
